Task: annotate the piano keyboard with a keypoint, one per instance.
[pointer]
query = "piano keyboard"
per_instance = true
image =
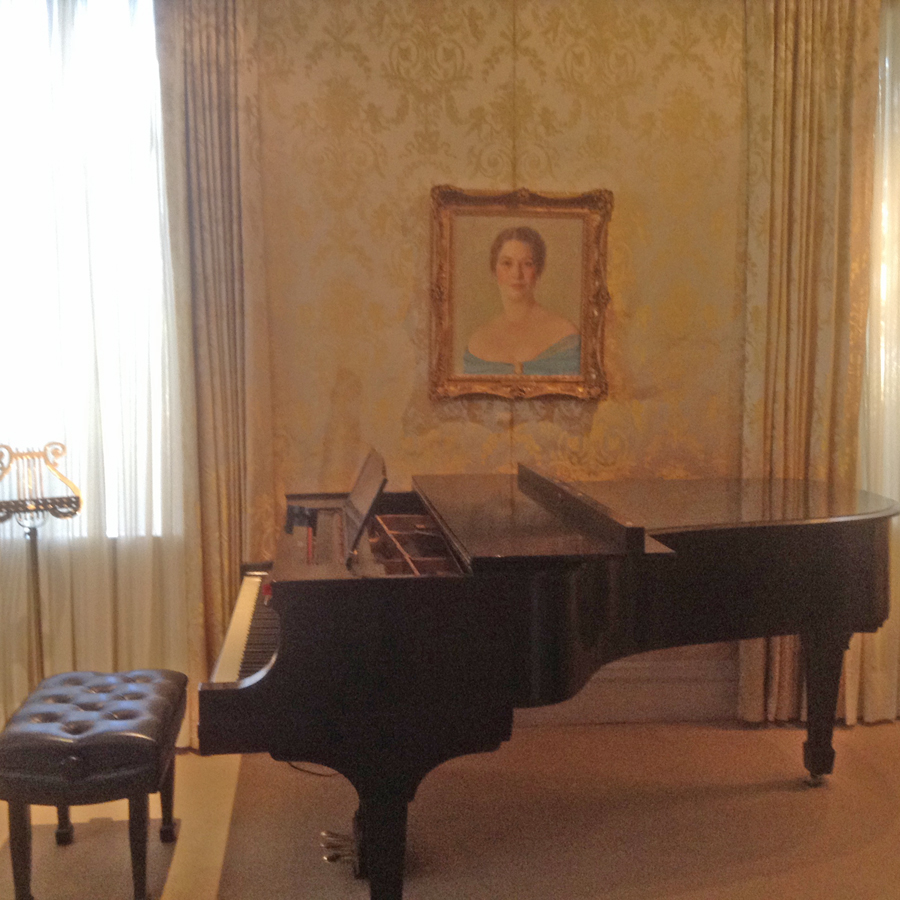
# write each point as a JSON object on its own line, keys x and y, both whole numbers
{"x": 252, "y": 635}
{"x": 262, "y": 639}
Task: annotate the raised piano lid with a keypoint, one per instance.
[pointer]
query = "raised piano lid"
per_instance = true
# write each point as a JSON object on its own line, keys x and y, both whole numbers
{"x": 667, "y": 506}
{"x": 500, "y": 519}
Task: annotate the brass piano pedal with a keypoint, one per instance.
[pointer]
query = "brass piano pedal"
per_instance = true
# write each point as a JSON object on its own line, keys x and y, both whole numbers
{"x": 339, "y": 847}
{"x": 335, "y": 857}
{"x": 335, "y": 838}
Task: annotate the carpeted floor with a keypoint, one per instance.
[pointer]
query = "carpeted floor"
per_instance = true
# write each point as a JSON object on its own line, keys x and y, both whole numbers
{"x": 598, "y": 812}
{"x": 607, "y": 812}
{"x": 96, "y": 865}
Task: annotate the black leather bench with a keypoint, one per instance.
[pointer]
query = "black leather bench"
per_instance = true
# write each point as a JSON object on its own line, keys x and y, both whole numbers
{"x": 90, "y": 737}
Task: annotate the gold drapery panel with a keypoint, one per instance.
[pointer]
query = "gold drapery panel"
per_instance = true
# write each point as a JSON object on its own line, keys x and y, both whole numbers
{"x": 214, "y": 198}
{"x": 872, "y": 665}
{"x": 812, "y": 83}
{"x": 230, "y": 320}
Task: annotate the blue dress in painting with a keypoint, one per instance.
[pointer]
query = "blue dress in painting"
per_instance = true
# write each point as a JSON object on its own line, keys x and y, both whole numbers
{"x": 561, "y": 358}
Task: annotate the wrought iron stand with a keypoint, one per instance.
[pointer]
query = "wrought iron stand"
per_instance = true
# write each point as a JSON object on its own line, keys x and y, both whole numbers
{"x": 30, "y": 502}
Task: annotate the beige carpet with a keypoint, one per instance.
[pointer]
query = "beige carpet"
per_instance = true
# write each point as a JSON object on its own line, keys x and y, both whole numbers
{"x": 96, "y": 865}
{"x": 599, "y": 812}
{"x": 608, "y": 812}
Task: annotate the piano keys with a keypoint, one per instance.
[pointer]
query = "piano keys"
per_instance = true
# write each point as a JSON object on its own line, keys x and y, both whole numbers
{"x": 453, "y": 604}
{"x": 229, "y": 666}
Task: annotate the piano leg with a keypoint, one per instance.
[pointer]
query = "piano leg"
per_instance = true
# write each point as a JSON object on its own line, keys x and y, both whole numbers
{"x": 824, "y": 655}
{"x": 380, "y": 829}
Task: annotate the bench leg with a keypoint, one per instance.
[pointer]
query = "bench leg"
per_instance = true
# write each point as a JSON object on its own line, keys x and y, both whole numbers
{"x": 20, "y": 848}
{"x": 64, "y": 830}
{"x": 138, "y": 810}
{"x": 167, "y": 798}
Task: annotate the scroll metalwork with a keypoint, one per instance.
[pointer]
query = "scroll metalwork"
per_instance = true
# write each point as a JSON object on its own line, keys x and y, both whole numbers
{"x": 32, "y": 494}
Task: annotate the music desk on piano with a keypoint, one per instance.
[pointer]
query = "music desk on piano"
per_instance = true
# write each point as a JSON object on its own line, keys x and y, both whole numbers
{"x": 472, "y": 595}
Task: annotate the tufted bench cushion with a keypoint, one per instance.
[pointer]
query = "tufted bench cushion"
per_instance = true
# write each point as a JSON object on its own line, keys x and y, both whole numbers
{"x": 89, "y": 737}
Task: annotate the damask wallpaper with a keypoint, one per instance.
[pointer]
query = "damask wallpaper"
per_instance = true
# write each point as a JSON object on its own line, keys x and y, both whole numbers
{"x": 365, "y": 104}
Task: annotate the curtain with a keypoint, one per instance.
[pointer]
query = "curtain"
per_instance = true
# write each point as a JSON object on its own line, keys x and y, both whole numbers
{"x": 96, "y": 351}
{"x": 812, "y": 68}
{"x": 210, "y": 83}
{"x": 872, "y": 667}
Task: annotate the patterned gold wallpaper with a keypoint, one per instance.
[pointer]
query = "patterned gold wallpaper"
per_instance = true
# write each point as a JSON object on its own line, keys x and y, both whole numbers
{"x": 365, "y": 104}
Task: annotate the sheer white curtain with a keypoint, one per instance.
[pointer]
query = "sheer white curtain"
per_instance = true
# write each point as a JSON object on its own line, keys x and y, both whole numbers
{"x": 872, "y": 667}
{"x": 95, "y": 344}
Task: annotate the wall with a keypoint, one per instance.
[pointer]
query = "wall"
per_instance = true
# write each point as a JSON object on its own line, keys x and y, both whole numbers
{"x": 365, "y": 104}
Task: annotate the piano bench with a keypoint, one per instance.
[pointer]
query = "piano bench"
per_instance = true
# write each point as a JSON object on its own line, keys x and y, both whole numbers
{"x": 89, "y": 737}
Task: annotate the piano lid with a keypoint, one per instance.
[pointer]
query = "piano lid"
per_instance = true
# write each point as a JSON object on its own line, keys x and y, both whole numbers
{"x": 490, "y": 520}
{"x": 662, "y": 505}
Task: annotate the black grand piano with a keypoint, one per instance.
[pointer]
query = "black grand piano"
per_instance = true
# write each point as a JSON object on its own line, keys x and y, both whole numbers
{"x": 400, "y": 630}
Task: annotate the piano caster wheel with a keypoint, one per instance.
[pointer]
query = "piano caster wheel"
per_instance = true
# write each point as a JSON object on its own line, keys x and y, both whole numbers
{"x": 815, "y": 781}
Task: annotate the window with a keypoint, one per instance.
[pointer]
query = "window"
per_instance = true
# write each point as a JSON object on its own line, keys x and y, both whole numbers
{"x": 87, "y": 347}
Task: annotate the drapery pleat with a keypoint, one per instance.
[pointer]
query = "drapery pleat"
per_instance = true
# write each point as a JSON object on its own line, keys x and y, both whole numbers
{"x": 218, "y": 301}
{"x": 260, "y": 501}
{"x": 170, "y": 50}
{"x": 224, "y": 214}
{"x": 812, "y": 68}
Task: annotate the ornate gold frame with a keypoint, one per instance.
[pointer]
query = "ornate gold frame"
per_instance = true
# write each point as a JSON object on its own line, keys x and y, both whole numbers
{"x": 594, "y": 209}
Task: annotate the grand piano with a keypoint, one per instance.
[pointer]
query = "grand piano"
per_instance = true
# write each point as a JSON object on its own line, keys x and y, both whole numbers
{"x": 395, "y": 631}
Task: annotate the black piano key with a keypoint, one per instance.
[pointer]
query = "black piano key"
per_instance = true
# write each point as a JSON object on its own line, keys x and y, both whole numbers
{"x": 262, "y": 638}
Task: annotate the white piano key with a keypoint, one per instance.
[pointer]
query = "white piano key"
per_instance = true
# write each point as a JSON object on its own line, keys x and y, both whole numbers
{"x": 229, "y": 662}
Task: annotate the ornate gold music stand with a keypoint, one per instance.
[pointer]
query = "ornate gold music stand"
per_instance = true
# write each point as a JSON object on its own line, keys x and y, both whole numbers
{"x": 30, "y": 503}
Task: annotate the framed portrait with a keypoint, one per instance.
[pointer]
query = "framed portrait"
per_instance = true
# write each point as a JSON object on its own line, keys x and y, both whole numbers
{"x": 518, "y": 293}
